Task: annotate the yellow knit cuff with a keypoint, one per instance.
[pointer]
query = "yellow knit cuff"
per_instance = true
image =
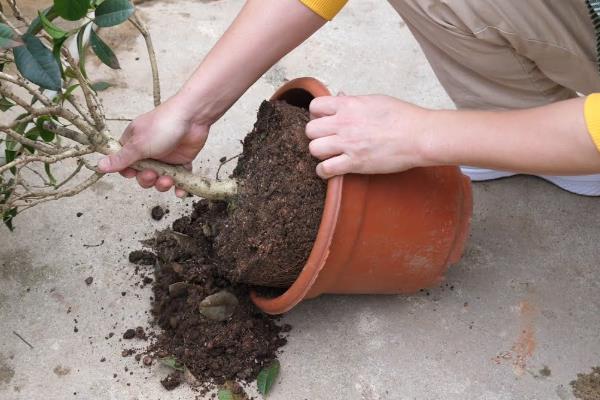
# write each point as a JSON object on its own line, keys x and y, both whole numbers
{"x": 325, "y": 8}
{"x": 592, "y": 117}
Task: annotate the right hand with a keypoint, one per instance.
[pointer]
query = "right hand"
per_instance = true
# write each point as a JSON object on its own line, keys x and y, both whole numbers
{"x": 166, "y": 134}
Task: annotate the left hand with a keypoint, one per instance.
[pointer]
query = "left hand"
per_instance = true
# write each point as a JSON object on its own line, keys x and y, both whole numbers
{"x": 366, "y": 135}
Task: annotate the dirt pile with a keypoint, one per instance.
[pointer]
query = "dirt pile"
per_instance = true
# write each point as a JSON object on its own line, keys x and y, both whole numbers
{"x": 210, "y": 328}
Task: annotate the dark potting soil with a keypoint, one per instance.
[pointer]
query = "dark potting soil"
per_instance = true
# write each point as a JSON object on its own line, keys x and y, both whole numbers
{"x": 218, "y": 351}
{"x": 587, "y": 386}
{"x": 263, "y": 237}
{"x": 274, "y": 221}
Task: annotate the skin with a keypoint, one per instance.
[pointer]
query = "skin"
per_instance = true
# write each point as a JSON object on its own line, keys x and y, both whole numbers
{"x": 350, "y": 134}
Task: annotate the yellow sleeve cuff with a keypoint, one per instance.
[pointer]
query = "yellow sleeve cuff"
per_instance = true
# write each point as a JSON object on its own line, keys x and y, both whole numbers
{"x": 325, "y": 8}
{"x": 592, "y": 117}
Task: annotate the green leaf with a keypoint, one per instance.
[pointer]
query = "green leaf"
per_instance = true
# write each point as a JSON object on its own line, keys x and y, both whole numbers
{"x": 70, "y": 90}
{"x": 172, "y": 362}
{"x": 5, "y": 104}
{"x": 225, "y": 394}
{"x": 71, "y": 10}
{"x": 100, "y": 86}
{"x": 36, "y": 25}
{"x": 104, "y": 53}
{"x": 8, "y": 216}
{"x": 49, "y": 174}
{"x": 46, "y": 135}
{"x": 8, "y": 37}
{"x": 113, "y": 12}
{"x": 32, "y": 134}
{"x": 36, "y": 63}
{"x": 9, "y": 156}
{"x": 81, "y": 48}
{"x": 57, "y": 46}
{"x": 54, "y": 31}
{"x": 266, "y": 378}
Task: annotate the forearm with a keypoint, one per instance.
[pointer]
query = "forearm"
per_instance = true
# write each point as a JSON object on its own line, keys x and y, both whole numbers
{"x": 547, "y": 140}
{"x": 263, "y": 32}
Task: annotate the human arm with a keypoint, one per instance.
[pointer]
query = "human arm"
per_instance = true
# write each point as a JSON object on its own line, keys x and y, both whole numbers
{"x": 379, "y": 134}
{"x": 263, "y": 32}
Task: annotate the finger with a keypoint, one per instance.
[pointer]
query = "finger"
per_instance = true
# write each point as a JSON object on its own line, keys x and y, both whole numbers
{"x": 164, "y": 183}
{"x": 323, "y": 106}
{"x": 180, "y": 193}
{"x": 339, "y": 165}
{"x": 321, "y": 127}
{"x": 120, "y": 160}
{"x": 127, "y": 133}
{"x": 128, "y": 173}
{"x": 325, "y": 147}
{"x": 147, "y": 178}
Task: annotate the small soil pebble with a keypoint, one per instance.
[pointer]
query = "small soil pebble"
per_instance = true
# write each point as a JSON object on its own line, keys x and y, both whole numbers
{"x": 129, "y": 334}
{"x": 157, "y": 213}
{"x": 171, "y": 381}
{"x": 103, "y": 359}
{"x": 147, "y": 361}
{"x": 127, "y": 352}
{"x": 140, "y": 333}
{"x": 89, "y": 280}
{"x": 79, "y": 214}
{"x": 142, "y": 257}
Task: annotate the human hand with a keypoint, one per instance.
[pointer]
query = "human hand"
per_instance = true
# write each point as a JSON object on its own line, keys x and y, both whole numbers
{"x": 366, "y": 135}
{"x": 165, "y": 134}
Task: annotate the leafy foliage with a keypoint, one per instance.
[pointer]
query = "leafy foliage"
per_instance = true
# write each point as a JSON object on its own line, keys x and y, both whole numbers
{"x": 36, "y": 63}
{"x": 104, "y": 53}
{"x": 40, "y": 57}
{"x": 267, "y": 377}
{"x": 173, "y": 363}
{"x": 113, "y": 12}
{"x": 8, "y": 38}
{"x": 72, "y": 10}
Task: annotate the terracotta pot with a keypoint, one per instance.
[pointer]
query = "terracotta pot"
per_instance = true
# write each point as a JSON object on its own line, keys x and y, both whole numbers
{"x": 379, "y": 234}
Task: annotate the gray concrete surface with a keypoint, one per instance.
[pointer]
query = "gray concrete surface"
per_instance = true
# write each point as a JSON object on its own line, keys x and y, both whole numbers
{"x": 526, "y": 296}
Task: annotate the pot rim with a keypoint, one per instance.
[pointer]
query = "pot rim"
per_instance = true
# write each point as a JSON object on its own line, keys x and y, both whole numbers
{"x": 320, "y": 251}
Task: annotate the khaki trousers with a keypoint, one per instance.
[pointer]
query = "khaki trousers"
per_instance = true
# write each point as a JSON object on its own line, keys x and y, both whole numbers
{"x": 506, "y": 54}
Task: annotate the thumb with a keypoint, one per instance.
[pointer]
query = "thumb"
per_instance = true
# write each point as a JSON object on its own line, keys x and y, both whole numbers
{"x": 119, "y": 161}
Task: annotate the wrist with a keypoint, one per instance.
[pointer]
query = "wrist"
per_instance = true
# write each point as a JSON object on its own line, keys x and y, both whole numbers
{"x": 430, "y": 144}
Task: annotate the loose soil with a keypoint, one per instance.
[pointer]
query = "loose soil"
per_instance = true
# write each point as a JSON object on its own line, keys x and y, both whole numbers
{"x": 587, "y": 386}
{"x": 272, "y": 227}
{"x": 263, "y": 237}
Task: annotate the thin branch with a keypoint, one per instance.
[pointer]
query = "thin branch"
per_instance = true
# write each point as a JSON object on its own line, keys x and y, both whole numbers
{"x": 10, "y": 24}
{"x": 141, "y": 27}
{"x": 17, "y": 137}
{"x": 51, "y": 196}
{"x": 67, "y": 133}
{"x": 76, "y": 171}
{"x": 79, "y": 108}
{"x": 17, "y": 12}
{"x": 19, "y": 81}
{"x": 23, "y": 160}
{"x": 92, "y": 102}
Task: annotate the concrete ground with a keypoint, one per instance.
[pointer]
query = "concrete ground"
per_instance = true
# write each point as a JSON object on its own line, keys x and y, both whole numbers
{"x": 516, "y": 319}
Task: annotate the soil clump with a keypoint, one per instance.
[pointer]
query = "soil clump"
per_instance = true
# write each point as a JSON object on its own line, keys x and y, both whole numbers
{"x": 274, "y": 221}
{"x": 203, "y": 265}
{"x": 587, "y": 386}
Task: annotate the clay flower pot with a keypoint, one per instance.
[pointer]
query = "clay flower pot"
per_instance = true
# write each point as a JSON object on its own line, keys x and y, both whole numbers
{"x": 379, "y": 234}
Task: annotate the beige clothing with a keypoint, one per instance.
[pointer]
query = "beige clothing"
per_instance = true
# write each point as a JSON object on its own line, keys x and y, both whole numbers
{"x": 506, "y": 54}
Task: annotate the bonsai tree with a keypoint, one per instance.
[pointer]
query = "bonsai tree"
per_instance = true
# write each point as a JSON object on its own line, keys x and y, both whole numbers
{"x": 58, "y": 113}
